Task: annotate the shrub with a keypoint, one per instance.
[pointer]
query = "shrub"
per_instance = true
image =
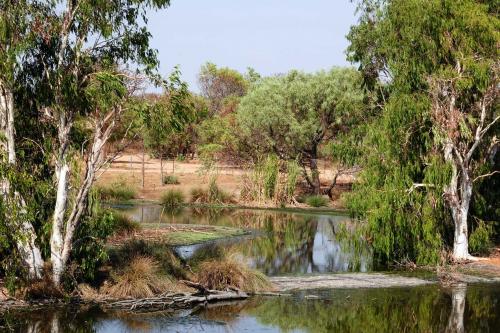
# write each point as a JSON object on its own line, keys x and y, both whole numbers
{"x": 172, "y": 199}
{"x": 121, "y": 256}
{"x": 270, "y": 173}
{"x": 480, "y": 239}
{"x": 230, "y": 272}
{"x": 317, "y": 201}
{"x": 124, "y": 225}
{"x": 170, "y": 180}
{"x": 140, "y": 279}
{"x": 117, "y": 191}
{"x": 213, "y": 195}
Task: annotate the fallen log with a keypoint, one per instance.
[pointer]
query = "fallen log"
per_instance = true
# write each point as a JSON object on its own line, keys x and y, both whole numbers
{"x": 172, "y": 301}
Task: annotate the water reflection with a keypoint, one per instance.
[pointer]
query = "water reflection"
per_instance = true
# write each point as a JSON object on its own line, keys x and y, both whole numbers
{"x": 289, "y": 243}
{"x": 473, "y": 308}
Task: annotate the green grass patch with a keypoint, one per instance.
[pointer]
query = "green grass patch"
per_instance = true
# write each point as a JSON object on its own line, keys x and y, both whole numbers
{"x": 171, "y": 180}
{"x": 187, "y": 237}
{"x": 317, "y": 201}
{"x": 117, "y": 191}
{"x": 172, "y": 199}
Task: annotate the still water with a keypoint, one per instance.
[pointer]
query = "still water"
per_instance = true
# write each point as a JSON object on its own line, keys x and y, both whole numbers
{"x": 473, "y": 308}
{"x": 286, "y": 243}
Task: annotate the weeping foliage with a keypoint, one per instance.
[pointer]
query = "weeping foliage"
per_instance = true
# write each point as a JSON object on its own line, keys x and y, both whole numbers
{"x": 399, "y": 46}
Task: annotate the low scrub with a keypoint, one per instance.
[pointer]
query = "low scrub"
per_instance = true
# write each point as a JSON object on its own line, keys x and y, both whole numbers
{"x": 124, "y": 225}
{"x": 170, "y": 180}
{"x": 121, "y": 256}
{"x": 118, "y": 191}
{"x": 231, "y": 273}
{"x": 140, "y": 279}
{"x": 213, "y": 195}
{"x": 480, "y": 239}
{"x": 317, "y": 201}
{"x": 172, "y": 199}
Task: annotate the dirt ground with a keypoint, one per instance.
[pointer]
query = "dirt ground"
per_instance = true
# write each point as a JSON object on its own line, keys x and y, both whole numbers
{"x": 190, "y": 174}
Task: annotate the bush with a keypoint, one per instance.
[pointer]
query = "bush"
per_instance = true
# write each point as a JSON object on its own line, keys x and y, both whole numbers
{"x": 121, "y": 256}
{"x": 172, "y": 199}
{"x": 317, "y": 201}
{"x": 230, "y": 272}
{"x": 140, "y": 279}
{"x": 213, "y": 195}
{"x": 170, "y": 180}
{"x": 123, "y": 225}
{"x": 117, "y": 191}
{"x": 480, "y": 239}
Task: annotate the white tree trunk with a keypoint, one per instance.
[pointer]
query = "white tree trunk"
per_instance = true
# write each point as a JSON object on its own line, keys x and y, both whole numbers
{"x": 17, "y": 219}
{"x": 57, "y": 236}
{"x": 458, "y": 195}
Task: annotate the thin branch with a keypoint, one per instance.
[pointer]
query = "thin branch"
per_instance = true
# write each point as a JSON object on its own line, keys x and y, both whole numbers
{"x": 486, "y": 175}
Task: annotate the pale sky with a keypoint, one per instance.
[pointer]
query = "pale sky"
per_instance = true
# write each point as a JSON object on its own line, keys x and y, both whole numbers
{"x": 272, "y": 36}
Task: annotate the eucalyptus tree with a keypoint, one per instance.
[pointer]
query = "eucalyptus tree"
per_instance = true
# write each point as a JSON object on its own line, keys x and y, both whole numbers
{"x": 293, "y": 115}
{"x": 167, "y": 115}
{"x": 220, "y": 84}
{"x": 438, "y": 127}
{"x": 16, "y": 22}
{"x": 81, "y": 46}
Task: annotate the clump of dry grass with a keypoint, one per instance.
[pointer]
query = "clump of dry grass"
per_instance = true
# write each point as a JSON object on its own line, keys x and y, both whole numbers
{"x": 88, "y": 293}
{"x": 140, "y": 279}
{"x": 231, "y": 273}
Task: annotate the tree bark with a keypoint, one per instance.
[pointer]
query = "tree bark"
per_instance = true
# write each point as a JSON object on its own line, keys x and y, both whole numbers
{"x": 16, "y": 217}
{"x": 458, "y": 195}
{"x": 313, "y": 164}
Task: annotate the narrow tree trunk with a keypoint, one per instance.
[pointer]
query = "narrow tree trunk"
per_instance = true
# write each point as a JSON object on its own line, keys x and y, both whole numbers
{"x": 161, "y": 170}
{"x": 17, "y": 215}
{"x": 315, "y": 181}
{"x": 143, "y": 166}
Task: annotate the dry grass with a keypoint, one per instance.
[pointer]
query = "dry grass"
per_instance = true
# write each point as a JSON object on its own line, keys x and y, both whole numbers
{"x": 231, "y": 273}
{"x": 140, "y": 279}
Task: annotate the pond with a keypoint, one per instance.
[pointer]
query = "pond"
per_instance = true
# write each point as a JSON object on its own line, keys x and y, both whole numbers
{"x": 473, "y": 308}
{"x": 285, "y": 242}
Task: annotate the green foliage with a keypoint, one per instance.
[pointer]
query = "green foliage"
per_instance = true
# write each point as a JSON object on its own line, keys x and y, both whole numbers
{"x": 212, "y": 195}
{"x": 119, "y": 190}
{"x": 270, "y": 171}
{"x": 218, "y": 85}
{"x": 170, "y": 180}
{"x": 271, "y": 179}
{"x": 317, "y": 201}
{"x": 403, "y": 146}
{"x": 291, "y": 115}
{"x": 480, "y": 239}
{"x": 172, "y": 199}
{"x": 89, "y": 248}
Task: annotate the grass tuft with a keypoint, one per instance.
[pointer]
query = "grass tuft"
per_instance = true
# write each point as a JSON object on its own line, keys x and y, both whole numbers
{"x": 317, "y": 201}
{"x": 213, "y": 195}
{"x": 124, "y": 225}
{"x": 170, "y": 180}
{"x": 172, "y": 199}
{"x": 117, "y": 191}
{"x": 140, "y": 279}
{"x": 231, "y": 273}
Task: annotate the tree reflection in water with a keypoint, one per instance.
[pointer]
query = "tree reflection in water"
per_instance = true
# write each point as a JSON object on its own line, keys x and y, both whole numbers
{"x": 290, "y": 244}
{"x": 473, "y": 308}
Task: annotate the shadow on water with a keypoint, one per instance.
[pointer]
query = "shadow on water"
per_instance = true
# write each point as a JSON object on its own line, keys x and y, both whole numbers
{"x": 288, "y": 242}
{"x": 461, "y": 308}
